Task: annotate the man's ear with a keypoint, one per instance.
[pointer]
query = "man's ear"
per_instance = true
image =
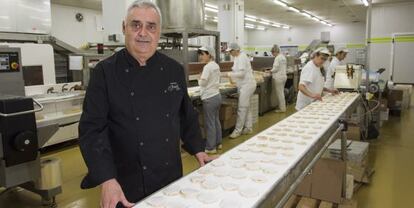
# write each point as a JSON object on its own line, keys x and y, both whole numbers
{"x": 123, "y": 27}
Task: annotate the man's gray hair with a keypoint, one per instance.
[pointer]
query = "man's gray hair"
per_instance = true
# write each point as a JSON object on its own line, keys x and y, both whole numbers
{"x": 275, "y": 49}
{"x": 144, "y": 4}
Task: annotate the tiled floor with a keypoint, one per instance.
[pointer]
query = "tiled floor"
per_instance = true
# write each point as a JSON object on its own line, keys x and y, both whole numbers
{"x": 392, "y": 156}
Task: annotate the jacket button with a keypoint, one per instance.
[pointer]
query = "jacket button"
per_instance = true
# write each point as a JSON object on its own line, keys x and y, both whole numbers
{"x": 144, "y": 167}
{"x": 161, "y": 68}
{"x": 126, "y": 70}
{"x": 166, "y": 139}
{"x": 166, "y": 163}
{"x": 167, "y": 115}
{"x": 137, "y": 118}
{"x": 132, "y": 93}
{"x": 165, "y": 91}
{"x": 141, "y": 143}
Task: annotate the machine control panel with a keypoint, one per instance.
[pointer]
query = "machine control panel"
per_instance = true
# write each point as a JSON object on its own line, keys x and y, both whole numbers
{"x": 9, "y": 62}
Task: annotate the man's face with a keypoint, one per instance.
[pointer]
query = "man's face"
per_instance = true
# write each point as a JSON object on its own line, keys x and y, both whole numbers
{"x": 319, "y": 60}
{"x": 142, "y": 31}
{"x": 234, "y": 53}
{"x": 342, "y": 56}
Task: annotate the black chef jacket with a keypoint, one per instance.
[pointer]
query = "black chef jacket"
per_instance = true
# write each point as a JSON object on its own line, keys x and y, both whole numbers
{"x": 132, "y": 122}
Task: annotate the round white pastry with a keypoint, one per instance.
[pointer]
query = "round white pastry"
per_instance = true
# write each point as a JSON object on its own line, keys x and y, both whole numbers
{"x": 243, "y": 148}
{"x": 269, "y": 170}
{"x": 259, "y": 178}
{"x": 218, "y": 163}
{"x": 205, "y": 170}
{"x": 189, "y": 192}
{"x": 221, "y": 172}
{"x": 270, "y": 151}
{"x": 172, "y": 190}
{"x": 252, "y": 166}
{"x": 230, "y": 203}
{"x": 237, "y": 174}
{"x": 229, "y": 186}
{"x": 208, "y": 198}
{"x": 155, "y": 201}
{"x": 197, "y": 179}
{"x": 210, "y": 184}
{"x": 237, "y": 164}
{"x": 248, "y": 192}
{"x": 176, "y": 204}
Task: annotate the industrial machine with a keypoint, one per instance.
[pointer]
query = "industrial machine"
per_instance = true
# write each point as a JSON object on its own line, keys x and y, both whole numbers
{"x": 352, "y": 77}
{"x": 20, "y": 136}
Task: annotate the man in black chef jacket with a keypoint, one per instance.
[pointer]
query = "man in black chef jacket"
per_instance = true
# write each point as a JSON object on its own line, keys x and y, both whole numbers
{"x": 135, "y": 112}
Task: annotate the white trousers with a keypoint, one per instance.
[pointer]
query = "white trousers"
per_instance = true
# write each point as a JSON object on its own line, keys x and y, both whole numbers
{"x": 244, "y": 114}
{"x": 279, "y": 89}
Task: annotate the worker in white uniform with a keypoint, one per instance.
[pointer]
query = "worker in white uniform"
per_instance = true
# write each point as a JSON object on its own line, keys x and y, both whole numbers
{"x": 209, "y": 83}
{"x": 311, "y": 83}
{"x": 279, "y": 77}
{"x": 340, "y": 55}
{"x": 242, "y": 74}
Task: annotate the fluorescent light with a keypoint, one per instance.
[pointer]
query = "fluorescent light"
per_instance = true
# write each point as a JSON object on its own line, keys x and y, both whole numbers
{"x": 212, "y": 9}
{"x": 330, "y": 25}
{"x": 211, "y": 6}
{"x": 294, "y": 9}
{"x": 279, "y": 26}
{"x": 306, "y": 15}
{"x": 286, "y": 27}
{"x": 365, "y": 2}
{"x": 215, "y": 20}
{"x": 281, "y": 3}
{"x": 316, "y": 19}
{"x": 4, "y": 17}
{"x": 265, "y": 23}
{"x": 249, "y": 25}
{"x": 261, "y": 28}
{"x": 250, "y": 19}
{"x": 250, "y": 16}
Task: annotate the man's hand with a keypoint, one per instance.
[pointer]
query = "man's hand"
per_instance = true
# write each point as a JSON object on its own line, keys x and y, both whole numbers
{"x": 203, "y": 157}
{"x": 112, "y": 193}
{"x": 317, "y": 97}
{"x": 334, "y": 91}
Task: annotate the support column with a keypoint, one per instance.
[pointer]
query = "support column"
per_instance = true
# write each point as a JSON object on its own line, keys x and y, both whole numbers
{"x": 231, "y": 21}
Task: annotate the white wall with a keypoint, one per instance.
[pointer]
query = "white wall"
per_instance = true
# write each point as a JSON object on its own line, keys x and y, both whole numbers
{"x": 66, "y": 28}
{"x": 386, "y": 20}
{"x": 339, "y": 34}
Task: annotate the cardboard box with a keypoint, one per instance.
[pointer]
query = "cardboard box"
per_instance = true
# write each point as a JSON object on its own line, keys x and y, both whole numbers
{"x": 354, "y": 132}
{"x": 325, "y": 181}
{"x": 407, "y": 89}
{"x": 399, "y": 97}
{"x": 227, "y": 111}
{"x": 229, "y": 123}
{"x": 384, "y": 114}
{"x": 383, "y": 104}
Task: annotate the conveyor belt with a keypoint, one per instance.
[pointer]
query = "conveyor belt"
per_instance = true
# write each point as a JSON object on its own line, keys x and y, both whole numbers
{"x": 272, "y": 162}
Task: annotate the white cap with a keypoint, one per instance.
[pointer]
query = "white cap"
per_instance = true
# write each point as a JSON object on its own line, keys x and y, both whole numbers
{"x": 208, "y": 49}
{"x": 233, "y": 46}
{"x": 323, "y": 50}
{"x": 341, "y": 49}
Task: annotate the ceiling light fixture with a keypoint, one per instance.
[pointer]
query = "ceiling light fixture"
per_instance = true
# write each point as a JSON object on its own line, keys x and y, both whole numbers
{"x": 294, "y": 9}
{"x": 281, "y": 3}
{"x": 211, "y": 9}
{"x": 211, "y": 6}
{"x": 304, "y": 12}
{"x": 365, "y": 2}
